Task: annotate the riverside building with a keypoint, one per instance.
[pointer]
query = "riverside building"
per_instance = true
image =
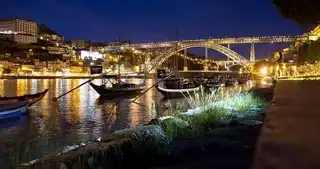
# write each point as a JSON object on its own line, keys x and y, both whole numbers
{"x": 19, "y": 30}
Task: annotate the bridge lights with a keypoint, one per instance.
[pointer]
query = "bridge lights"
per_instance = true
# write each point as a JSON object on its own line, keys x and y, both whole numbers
{"x": 264, "y": 71}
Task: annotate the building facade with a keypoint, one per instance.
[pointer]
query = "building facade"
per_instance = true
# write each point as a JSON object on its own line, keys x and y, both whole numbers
{"x": 51, "y": 37}
{"x": 19, "y": 38}
{"x": 18, "y": 30}
{"x": 80, "y": 44}
{"x": 19, "y": 26}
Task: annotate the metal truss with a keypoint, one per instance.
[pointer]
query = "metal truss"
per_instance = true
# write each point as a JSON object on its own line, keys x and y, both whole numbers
{"x": 234, "y": 56}
{"x": 240, "y": 40}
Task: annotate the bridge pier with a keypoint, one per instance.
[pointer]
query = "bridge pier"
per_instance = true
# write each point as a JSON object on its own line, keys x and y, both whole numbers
{"x": 205, "y": 67}
{"x": 185, "y": 63}
{"x": 228, "y": 58}
{"x": 252, "y": 53}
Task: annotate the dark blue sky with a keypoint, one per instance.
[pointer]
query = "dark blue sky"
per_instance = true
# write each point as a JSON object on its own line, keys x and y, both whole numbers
{"x": 153, "y": 20}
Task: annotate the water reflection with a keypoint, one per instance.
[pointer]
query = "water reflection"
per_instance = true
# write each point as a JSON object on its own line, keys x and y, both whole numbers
{"x": 78, "y": 117}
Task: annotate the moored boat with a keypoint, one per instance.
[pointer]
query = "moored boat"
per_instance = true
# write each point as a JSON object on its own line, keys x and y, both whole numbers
{"x": 176, "y": 88}
{"x": 176, "y": 93}
{"x": 242, "y": 80}
{"x": 231, "y": 82}
{"x": 215, "y": 82}
{"x": 199, "y": 80}
{"x": 31, "y": 98}
{"x": 13, "y": 109}
{"x": 118, "y": 89}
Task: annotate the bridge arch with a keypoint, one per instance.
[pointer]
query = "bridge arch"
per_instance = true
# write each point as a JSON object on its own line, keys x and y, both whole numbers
{"x": 222, "y": 49}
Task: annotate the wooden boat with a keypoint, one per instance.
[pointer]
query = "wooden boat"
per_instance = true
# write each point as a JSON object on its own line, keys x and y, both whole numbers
{"x": 31, "y": 98}
{"x": 199, "y": 80}
{"x": 118, "y": 89}
{"x": 13, "y": 109}
{"x": 215, "y": 83}
{"x": 176, "y": 88}
{"x": 231, "y": 82}
{"x": 242, "y": 80}
{"x": 176, "y": 93}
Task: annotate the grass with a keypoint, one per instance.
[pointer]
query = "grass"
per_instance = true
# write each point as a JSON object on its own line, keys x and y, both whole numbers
{"x": 212, "y": 111}
{"x": 202, "y": 98}
{"x": 241, "y": 103}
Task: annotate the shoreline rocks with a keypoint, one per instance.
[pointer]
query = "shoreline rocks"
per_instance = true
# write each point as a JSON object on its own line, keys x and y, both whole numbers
{"x": 122, "y": 149}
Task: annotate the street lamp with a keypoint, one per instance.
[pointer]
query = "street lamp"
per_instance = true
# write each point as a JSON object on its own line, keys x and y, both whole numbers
{"x": 264, "y": 71}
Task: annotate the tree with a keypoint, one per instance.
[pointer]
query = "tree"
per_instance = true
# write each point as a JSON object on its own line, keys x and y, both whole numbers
{"x": 305, "y": 12}
{"x": 44, "y": 29}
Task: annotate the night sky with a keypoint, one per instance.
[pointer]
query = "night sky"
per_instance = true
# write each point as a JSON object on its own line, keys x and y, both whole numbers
{"x": 155, "y": 20}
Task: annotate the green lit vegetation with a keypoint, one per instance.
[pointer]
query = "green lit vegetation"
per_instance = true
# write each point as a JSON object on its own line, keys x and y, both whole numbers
{"x": 210, "y": 113}
{"x": 202, "y": 99}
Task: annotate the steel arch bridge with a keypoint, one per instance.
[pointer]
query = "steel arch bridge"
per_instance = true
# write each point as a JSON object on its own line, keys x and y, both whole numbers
{"x": 162, "y": 57}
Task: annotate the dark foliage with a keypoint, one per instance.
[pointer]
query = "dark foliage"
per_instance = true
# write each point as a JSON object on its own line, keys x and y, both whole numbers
{"x": 305, "y": 12}
{"x": 44, "y": 29}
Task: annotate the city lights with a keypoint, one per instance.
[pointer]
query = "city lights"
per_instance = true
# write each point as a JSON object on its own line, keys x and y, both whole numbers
{"x": 264, "y": 71}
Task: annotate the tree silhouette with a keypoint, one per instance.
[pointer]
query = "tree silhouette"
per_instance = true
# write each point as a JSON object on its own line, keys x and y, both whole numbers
{"x": 305, "y": 12}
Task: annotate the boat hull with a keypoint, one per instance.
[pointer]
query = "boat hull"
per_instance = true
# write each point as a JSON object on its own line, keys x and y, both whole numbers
{"x": 176, "y": 93}
{"x": 242, "y": 81}
{"x": 15, "y": 110}
{"x": 214, "y": 85}
{"x": 113, "y": 92}
{"x": 31, "y": 98}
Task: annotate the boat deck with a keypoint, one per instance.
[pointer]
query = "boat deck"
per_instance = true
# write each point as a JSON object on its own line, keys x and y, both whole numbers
{"x": 290, "y": 136}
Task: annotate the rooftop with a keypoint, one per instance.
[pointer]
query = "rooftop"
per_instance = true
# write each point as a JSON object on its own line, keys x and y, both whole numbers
{"x": 12, "y": 19}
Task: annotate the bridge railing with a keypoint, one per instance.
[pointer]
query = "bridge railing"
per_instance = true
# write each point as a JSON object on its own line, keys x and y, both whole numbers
{"x": 240, "y": 40}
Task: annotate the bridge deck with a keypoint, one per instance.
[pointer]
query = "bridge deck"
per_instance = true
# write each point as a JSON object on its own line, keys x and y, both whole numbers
{"x": 290, "y": 137}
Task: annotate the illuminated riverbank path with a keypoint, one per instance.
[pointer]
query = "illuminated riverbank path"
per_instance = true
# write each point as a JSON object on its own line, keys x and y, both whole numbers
{"x": 290, "y": 135}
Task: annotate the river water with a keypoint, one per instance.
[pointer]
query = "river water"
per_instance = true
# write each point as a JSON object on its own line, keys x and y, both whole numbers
{"x": 78, "y": 117}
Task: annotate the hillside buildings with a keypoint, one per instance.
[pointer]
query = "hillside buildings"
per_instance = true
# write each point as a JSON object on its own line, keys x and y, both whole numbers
{"x": 19, "y": 31}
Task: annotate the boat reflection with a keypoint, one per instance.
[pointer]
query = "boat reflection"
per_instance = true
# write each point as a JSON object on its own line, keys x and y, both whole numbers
{"x": 21, "y": 121}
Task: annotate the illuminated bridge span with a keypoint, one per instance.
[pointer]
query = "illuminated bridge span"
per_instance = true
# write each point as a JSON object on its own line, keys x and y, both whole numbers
{"x": 220, "y": 41}
{"x": 222, "y": 45}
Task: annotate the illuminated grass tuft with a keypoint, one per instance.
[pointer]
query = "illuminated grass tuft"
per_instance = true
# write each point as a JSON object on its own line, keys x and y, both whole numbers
{"x": 202, "y": 98}
{"x": 210, "y": 112}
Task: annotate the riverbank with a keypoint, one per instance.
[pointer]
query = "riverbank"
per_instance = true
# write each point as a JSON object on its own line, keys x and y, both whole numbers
{"x": 307, "y": 77}
{"x": 215, "y": 136}
{"x": 63, "y": 77}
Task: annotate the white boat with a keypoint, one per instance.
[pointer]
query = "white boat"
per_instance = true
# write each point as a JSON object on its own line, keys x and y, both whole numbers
{"x": 176, "y": 93}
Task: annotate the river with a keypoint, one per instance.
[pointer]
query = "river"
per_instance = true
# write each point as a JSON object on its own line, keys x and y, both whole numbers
{"x": 77, "y": 117}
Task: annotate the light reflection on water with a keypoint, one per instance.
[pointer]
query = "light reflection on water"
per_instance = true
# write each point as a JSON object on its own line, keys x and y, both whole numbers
{"x": 78, "y": 117}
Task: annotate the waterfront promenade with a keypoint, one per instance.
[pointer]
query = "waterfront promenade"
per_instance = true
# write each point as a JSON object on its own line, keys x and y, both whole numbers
{"x": 290, "y": 135}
